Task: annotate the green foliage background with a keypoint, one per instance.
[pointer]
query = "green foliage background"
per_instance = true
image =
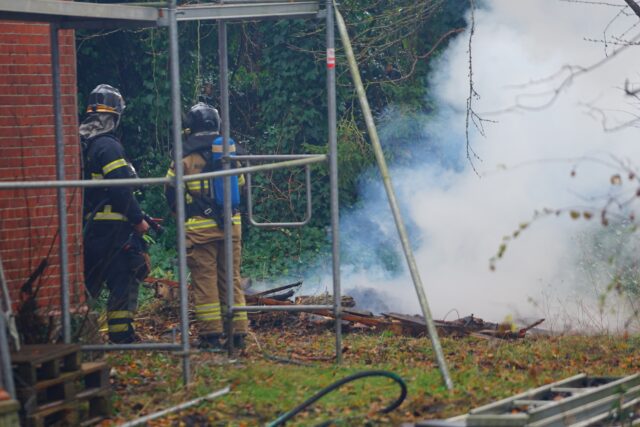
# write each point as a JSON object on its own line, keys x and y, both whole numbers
{"x": 277, "y": 105}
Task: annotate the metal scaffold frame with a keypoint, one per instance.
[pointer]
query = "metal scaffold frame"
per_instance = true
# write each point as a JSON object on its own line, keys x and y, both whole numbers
{"x": 76, "y": 15}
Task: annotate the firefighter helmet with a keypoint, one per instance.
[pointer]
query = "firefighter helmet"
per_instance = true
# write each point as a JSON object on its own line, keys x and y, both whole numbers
{"x": 106, "y": 99}
{"x": 202, "y": 117}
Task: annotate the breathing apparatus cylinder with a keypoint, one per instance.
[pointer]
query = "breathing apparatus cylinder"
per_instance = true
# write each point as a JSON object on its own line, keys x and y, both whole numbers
{"x": 217, "y": 153}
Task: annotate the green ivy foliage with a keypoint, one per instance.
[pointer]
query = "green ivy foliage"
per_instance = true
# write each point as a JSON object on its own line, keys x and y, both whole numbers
{"x": 277, "y": 106}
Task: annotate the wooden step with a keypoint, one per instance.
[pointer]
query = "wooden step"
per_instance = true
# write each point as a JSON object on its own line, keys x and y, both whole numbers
{"x": 34, "y": 363}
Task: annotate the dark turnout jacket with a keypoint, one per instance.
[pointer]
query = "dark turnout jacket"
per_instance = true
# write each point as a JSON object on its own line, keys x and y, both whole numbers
{"x": 105, "y": 159}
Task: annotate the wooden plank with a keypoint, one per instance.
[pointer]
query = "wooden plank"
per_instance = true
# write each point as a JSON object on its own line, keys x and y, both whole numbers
{"x": 92, "y": 421}
{"x": 34, "y": 363}
{"x": 64, "y": 414}
{"x": 39, "y": 362}
{"x": 370, "y": 321}
{"x": 8, "y": 406}
{"x": 38, "y": 353}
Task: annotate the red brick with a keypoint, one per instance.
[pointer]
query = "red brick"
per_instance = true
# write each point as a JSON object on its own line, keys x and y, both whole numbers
{"x": 24, "y": 49}
{"x": 28, "y": 217}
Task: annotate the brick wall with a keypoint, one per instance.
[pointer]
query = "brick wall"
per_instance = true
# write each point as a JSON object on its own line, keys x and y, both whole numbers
{"x": 28, "y": 218}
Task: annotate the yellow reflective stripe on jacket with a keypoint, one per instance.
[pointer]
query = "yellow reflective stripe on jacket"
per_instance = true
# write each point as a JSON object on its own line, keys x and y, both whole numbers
{"x": 97, "y": 176}
{"x": 241, "y": 180}
{"x": 107, "y": 215}
{"x": 121, "y": 327}
{"x": 119, "y": 314}
{"x": 113, "y": 216}
{"x": 114, "y": 165}
{"x": 196, "y": 186}
{"x": 199, "y": 224}
{"x": 170, "y": 174}
{"x": 219, "y": 149}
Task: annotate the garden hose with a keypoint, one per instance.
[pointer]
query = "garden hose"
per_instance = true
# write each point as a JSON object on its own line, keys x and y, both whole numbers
{"x": 403, "y": 394}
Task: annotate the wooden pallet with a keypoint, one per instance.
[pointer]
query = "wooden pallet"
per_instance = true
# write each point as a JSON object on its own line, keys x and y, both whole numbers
{"x": 34, "y": 363}
{"x": 89, "y": 408}
{"x": 56, "y": 390}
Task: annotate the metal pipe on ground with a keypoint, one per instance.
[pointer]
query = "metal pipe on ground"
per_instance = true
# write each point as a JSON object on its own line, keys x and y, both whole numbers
{"x": 132, "y": 347}
{"x": 393, "y": 203}
{"x": 180, "y": 407}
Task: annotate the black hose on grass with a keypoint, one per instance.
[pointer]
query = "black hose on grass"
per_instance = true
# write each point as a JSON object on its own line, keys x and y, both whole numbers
{"x": 403, "y": 394}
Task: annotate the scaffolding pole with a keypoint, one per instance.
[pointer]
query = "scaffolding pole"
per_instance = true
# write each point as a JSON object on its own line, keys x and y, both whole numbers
{"x": 226, "y": 181}
{"x": 333, "y": 177}
{"x": 139, "y": 182}
{"x": 61, "y": 193}
{"x": 179, "y": 188}
{"x": 393, "y": 202}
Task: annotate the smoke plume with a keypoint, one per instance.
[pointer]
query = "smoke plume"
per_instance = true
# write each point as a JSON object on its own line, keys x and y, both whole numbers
{"x": 545, "y": 125}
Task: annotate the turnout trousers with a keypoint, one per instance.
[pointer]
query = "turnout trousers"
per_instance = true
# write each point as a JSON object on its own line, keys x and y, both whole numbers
{"x": 106, "y": 260}
{"x": 207, "y": 263}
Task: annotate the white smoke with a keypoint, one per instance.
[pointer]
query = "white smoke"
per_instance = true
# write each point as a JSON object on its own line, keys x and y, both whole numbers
{"x": 457, "y": 216}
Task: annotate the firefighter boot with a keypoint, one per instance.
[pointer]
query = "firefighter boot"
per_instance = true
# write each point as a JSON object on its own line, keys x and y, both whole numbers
{"x": 239, "y": 341}
{"x": 210, "y": 343}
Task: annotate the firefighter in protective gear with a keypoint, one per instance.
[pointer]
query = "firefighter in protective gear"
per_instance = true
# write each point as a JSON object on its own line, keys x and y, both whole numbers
{"x": 204, "y": 230}
{"x": 112, "y": 215}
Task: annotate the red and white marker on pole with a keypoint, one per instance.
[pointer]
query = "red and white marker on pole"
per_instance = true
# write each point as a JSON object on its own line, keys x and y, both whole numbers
{"x": 331, "y": 58}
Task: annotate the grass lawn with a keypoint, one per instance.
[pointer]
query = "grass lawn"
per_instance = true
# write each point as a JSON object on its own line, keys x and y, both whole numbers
{"x": 262, "y": 389}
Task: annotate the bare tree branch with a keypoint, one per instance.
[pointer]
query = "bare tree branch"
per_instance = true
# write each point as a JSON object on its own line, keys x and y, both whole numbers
{"x": 550, "y": 96}
{"x": 472, "y": 117}
{"x": 634, "y": 6}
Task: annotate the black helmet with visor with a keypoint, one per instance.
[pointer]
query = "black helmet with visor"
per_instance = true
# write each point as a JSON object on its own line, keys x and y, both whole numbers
{"x": 202, "y": 118}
